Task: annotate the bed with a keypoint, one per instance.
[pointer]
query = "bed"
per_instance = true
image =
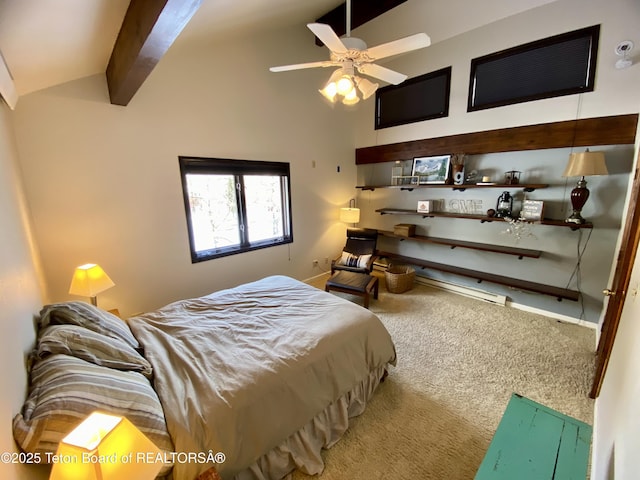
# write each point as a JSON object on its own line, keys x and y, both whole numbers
{"x": 267, "y": 373}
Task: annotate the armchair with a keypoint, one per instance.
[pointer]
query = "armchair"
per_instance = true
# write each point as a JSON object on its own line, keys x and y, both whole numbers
{"x": 359, "y": 251}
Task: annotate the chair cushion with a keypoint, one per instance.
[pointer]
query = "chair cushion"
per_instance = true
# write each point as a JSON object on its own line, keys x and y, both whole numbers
{"x": 357, "y": 282}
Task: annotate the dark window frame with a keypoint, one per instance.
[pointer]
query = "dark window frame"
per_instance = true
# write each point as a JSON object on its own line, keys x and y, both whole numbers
{"x": 592, "y": 32}
{"x": 442, "y": 73}
{"x": 237, "y": 168}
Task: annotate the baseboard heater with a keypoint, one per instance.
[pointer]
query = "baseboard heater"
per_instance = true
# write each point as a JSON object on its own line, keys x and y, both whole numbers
{"x": 462, "y": 290}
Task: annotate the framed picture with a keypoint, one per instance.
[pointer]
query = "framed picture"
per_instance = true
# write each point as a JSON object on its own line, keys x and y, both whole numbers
{"x": 532, "y": 210}
{"x": 431, "y": 169}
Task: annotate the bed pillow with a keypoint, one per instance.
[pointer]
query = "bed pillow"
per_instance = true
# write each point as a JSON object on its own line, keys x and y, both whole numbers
{"x": 91, "y": 346}
{"x": 65, "y": 390}
{"x": 356, "y": 261}
{"x": 87, "y": 316}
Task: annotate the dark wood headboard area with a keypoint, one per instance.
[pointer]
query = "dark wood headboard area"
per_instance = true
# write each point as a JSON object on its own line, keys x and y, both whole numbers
{"x": 614, "y": 130}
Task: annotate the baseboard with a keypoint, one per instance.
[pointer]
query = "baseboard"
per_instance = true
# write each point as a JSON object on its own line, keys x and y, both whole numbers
{"x": 555, "y": 316}
{"x": 311, "y": 279}
{"x": 462, "y": 290}
{"x": 500, "y": 300}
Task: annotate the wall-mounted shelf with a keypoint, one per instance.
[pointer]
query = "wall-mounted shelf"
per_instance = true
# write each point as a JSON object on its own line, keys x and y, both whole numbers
{"x": 516, "y": 283}
{"x": 528, "y": 187}
{"x": 486, "y": 247}
{"x": 482, "y": 218}
{"x": 587, "y": 132}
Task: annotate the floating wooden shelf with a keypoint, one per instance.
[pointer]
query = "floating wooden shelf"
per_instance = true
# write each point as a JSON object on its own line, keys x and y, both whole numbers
{"x": 482, "y": 218}
{"x": 587, "y": 132}
{"x": 516, "y": 283}
{"x": 486, "y": 247}
{"x": 527, "y": 187}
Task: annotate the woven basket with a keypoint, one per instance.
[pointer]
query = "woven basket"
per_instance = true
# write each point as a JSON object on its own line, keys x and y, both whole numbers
{"x": 399, "y": 278}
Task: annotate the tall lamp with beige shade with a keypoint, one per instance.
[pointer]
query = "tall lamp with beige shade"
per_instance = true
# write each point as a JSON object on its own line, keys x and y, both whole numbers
{"x": 106, "y": 447}
{"x": 583, "y": 165}
{"x": 89, "y": 280}
{"x": 350, "y": 214}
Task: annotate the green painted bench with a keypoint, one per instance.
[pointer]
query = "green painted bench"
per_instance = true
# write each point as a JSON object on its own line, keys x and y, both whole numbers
{"x": 534, "y": 442}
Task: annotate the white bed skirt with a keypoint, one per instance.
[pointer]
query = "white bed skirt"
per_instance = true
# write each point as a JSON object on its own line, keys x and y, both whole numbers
{"x": 302, "y": 450}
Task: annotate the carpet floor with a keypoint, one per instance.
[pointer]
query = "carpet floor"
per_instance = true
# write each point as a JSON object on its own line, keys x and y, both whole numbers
{"x": 459, "y": 361}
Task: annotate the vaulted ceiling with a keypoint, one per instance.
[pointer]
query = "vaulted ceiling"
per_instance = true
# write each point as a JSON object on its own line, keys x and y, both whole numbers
{"x": 49, "y": 42}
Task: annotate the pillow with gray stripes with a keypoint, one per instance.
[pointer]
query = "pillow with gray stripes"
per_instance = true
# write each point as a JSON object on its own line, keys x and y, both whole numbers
{"x": 91, "y": 346}
{"x": 64, "y": 390}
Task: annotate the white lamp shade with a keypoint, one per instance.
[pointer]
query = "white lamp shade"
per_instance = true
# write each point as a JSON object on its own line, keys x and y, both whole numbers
{"x": 366, "y": 87}
{"x": 586, "y": 164}
{"x": 89, "y": 280}
{"x": 106, "y": 447}
{"x": 350, "y": 215}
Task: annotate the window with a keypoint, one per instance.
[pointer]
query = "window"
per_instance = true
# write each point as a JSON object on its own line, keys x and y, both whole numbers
{"x": 561, "y": 65}
{"x": 234, "y": 206}
{"x": 419, "y": 98}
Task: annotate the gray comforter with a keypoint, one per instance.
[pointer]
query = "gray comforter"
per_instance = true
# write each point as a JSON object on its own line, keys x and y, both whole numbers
{"x": 240, "y": 370}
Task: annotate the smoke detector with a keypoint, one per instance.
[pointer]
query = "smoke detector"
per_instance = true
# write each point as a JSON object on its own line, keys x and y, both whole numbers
{"x": 622, "y": 50}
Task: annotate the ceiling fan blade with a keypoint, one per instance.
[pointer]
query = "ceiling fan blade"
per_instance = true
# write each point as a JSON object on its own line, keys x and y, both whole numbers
{"x": 300, "y": 66}
{"x": 382, "y": 73}
{"x": 327, "y": 36}
{"x": 407, "y": 44}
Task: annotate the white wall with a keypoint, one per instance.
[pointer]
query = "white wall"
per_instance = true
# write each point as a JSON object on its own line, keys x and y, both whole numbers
{"x": 616, "y": 93}
{"x": 20, "y": 293}
{"x": 104, "y": 184}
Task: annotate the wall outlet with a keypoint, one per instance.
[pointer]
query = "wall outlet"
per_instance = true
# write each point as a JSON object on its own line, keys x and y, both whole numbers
{"x": 326, "y": 260}
{"x": 315, "y": 263}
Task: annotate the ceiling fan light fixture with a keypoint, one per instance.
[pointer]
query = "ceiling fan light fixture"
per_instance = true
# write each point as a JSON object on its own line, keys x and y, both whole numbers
{"x": 329, "y": 92}
{"x": 352, "y": 54}
{"x": 344, "y": 85}
{"x": 366, "y": 87}
{"x": 351, "y": 98}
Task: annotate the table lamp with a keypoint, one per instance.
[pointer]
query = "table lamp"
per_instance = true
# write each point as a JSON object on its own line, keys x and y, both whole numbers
{"x": 106, "y": 447}
{"x": 89, "y": 280}
{"x": 582, "y": 165}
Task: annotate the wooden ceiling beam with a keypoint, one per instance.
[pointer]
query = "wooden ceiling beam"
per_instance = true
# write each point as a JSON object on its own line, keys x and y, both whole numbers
{"x": 362, "y": 11}
{"x": 7, "y": 88}
{"x": 148, "y": 30}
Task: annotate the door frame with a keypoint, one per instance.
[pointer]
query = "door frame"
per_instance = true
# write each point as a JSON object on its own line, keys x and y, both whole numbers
{"x": 619, "y": 285}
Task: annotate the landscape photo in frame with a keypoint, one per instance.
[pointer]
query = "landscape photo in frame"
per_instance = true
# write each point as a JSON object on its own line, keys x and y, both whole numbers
{"x": 431, "y": 169}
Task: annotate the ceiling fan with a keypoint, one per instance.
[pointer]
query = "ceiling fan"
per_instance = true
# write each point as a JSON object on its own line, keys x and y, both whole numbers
{"x": 351, "y": 55}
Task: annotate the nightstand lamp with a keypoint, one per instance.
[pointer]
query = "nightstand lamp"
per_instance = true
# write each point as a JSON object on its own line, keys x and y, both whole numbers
{"x": 89, "y": 280}
{"x": 106, "y": 447}
{"x": 582, "y": 165}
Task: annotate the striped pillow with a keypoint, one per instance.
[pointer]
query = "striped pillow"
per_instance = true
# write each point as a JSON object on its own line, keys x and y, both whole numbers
{"x": 356, "y": 261}
{"x": 65, "y": 390}
{"x": 87, "y": 316}
{"x": 90, "y": 346}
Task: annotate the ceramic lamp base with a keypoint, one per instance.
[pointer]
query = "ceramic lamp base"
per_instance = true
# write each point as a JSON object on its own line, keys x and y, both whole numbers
{"x": 579, "y": 196}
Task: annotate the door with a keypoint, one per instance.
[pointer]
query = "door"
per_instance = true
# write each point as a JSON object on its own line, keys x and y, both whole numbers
{"x": 617, "y": 292}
